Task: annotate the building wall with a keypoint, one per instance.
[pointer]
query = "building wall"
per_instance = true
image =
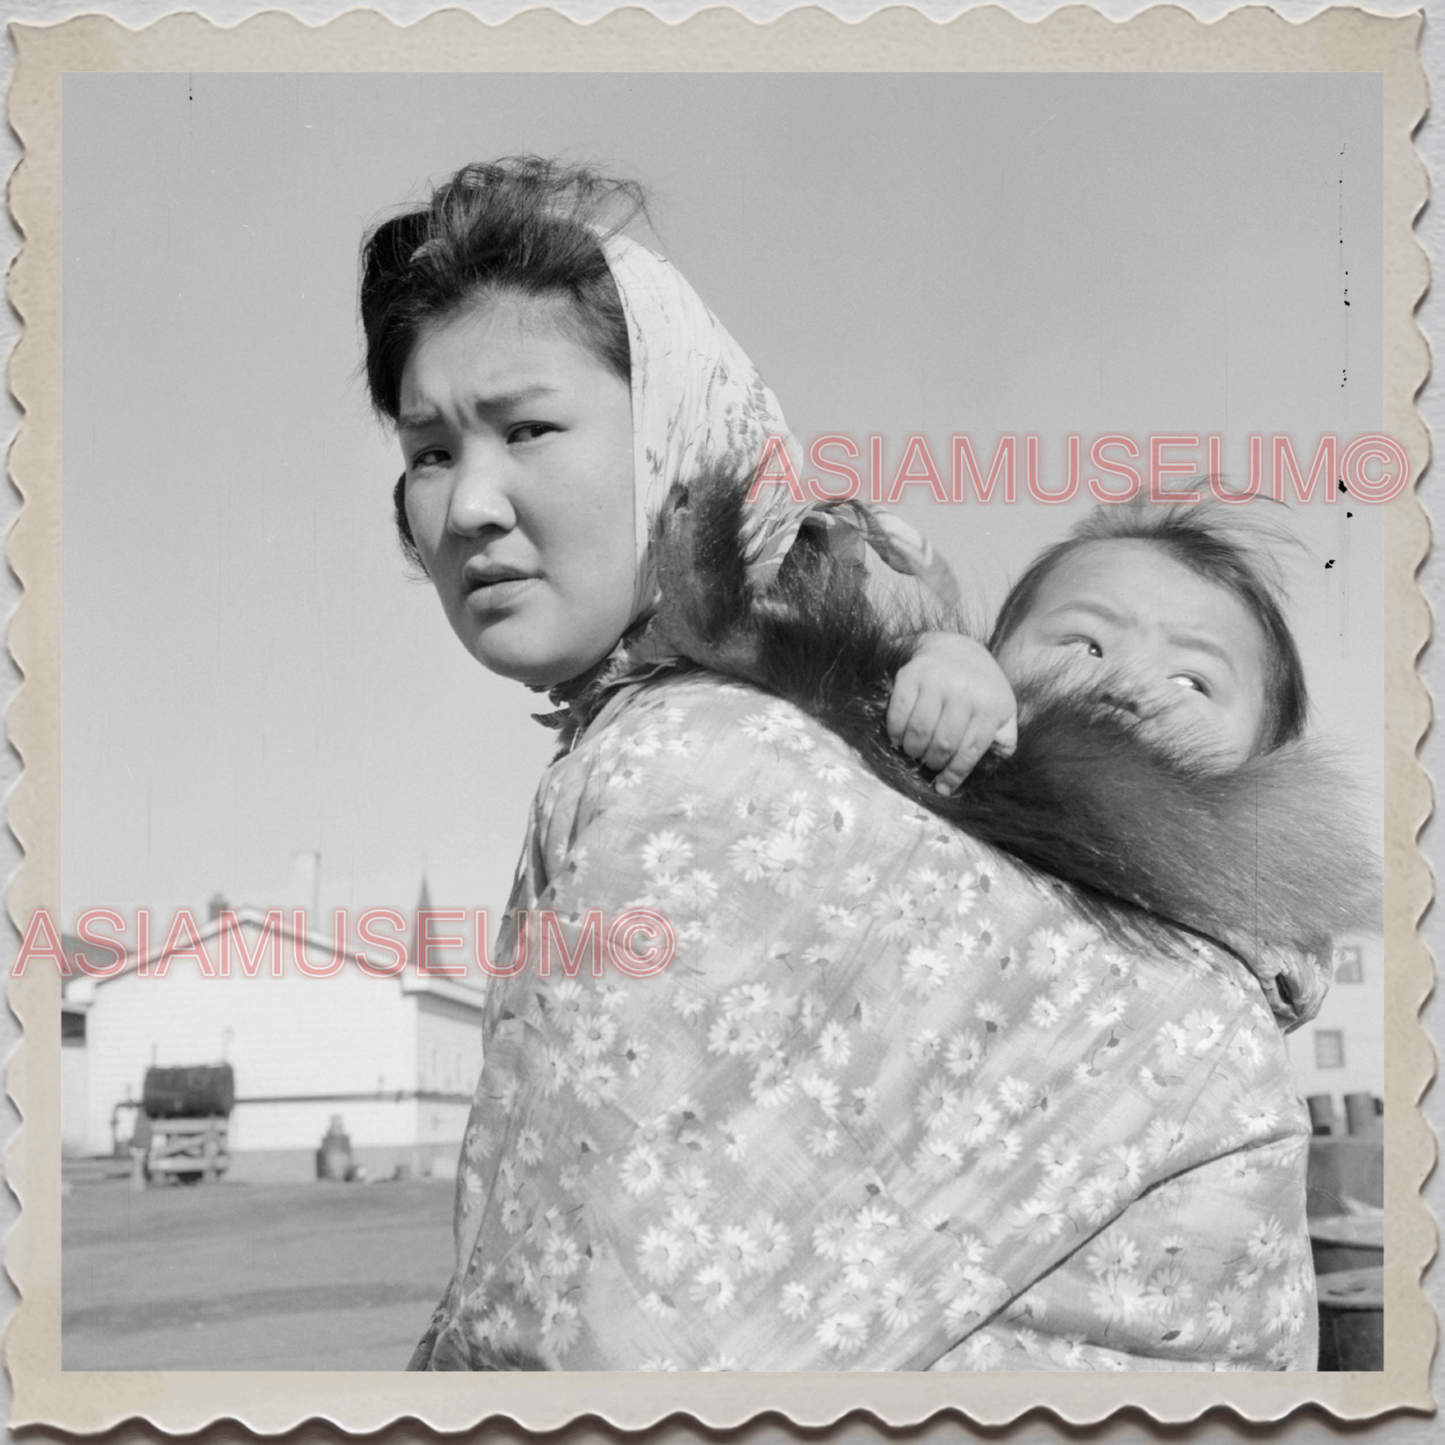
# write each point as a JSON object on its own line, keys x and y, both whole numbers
{"x": 292, "y": 1035}
{"x": 448, "y": 1045}
{"x": 301, "y": 1126}
{"x": 1350, "y": 1029}
{"x": 73, "y": 1090}
{"x": 448, "y": 1060}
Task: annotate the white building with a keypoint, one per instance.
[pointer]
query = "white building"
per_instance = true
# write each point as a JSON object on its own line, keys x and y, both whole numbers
{"x": 1342, "y": 1051}
{"x": 395, "y": 1057}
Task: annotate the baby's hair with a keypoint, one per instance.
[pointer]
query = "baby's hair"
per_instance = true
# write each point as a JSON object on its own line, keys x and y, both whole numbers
{"x": 1212, "y": 544}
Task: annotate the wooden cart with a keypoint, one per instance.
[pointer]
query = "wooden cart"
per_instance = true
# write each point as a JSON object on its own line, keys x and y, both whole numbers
{"x": 187, "y": 1122}
{"x": 189, "y": 1150}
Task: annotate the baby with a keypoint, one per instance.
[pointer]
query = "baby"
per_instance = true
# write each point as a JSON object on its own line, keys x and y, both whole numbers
{"x": 1162, "y": 618}
{"x": 1155, "y": 611}
{"x": 1141, "y": 674}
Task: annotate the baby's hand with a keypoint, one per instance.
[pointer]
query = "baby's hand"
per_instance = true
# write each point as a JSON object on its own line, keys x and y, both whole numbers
{"x": 950, "y": 702}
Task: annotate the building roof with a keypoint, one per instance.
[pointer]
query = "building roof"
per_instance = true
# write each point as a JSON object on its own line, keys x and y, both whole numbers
{"x": 79, "y": 992}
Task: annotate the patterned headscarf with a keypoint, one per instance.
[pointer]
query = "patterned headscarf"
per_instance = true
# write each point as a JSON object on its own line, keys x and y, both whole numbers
{"x": 699, "y": 405}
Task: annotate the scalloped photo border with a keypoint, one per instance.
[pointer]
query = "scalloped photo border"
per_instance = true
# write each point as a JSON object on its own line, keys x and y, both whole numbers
{"x": 1075, "y": 39}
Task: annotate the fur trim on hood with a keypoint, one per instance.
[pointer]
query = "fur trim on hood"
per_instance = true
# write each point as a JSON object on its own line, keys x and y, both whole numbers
{"x": 1267, "y": 860}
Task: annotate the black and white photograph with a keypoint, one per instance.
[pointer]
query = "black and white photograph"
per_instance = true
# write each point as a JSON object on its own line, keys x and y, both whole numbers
{"x": 722, "y": 722}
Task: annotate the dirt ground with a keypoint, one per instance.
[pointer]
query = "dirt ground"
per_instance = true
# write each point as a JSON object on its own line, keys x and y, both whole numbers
{"x": 249, "y": 1276}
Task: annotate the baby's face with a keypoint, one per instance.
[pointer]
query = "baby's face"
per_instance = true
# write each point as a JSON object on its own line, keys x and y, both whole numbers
{"x": 1123, "y": 622}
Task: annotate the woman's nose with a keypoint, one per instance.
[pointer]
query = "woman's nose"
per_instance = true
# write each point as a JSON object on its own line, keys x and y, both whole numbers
{"x": 479, "y": 498}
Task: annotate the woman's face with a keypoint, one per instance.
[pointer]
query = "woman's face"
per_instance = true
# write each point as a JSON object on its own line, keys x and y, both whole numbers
{"x": 518, "y": 448}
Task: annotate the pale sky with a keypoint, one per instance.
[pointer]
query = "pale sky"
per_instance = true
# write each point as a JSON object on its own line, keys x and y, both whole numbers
{"x": 248, "y": 672}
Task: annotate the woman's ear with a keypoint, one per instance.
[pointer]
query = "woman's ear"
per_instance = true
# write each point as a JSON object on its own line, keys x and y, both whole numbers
{"x": 403, "y": 525}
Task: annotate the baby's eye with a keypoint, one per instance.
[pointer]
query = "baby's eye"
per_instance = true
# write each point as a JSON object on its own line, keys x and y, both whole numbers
{"x": 529, "y": 431}
{"x": 1184, "y": 679}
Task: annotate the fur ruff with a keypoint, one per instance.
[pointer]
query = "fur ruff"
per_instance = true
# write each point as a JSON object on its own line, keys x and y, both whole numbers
{"x": 1267, "y": 856}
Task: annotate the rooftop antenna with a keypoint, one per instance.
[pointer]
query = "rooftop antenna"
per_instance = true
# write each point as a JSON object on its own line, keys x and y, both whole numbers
{"x": 306, "y": 880}
{"x": 423, "y": 904}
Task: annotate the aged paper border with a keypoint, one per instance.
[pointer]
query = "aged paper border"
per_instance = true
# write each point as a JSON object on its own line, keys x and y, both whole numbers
{"x": 1166, "y": 38}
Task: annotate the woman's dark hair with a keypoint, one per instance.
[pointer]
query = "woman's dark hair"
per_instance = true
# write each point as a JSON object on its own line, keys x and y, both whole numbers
{"x": 1198, "y": 538}
{"x": 522, "y": 225}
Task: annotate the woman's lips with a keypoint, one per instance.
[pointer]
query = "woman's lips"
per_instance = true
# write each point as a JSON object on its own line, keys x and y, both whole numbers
{"x": 494, "y": 594}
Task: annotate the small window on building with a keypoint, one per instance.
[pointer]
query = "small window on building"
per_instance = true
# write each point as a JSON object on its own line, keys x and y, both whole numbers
{"x": 1329, "y": 1049}
{"x": 72, "y": 1026}
{"x": 1349, "y": 964}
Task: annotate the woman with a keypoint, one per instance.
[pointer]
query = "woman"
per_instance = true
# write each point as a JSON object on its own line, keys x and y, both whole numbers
{"x": 897, "y": 1103}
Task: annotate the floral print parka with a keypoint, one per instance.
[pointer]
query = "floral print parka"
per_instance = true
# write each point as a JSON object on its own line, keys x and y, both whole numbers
{"x": 893, "y": 1105}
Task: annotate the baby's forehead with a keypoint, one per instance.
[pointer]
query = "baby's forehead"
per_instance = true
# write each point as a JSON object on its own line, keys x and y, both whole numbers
{"x": 1138, "y": 576}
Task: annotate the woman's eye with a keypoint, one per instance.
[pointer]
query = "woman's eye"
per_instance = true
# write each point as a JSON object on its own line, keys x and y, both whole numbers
{"x": 432, "y": 457}
{"x": 1084, "y": 644}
